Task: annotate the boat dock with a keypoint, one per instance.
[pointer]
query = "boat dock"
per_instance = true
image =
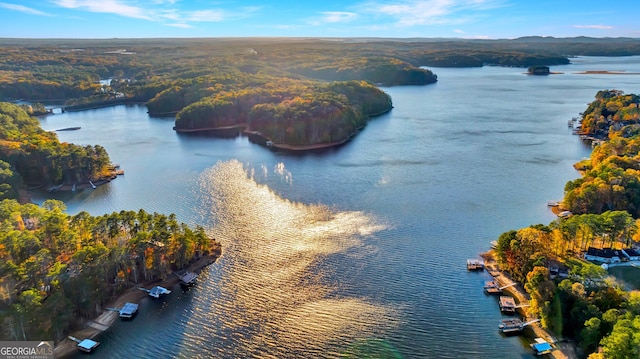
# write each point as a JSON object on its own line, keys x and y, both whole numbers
{"x": 493, "y": 287}
{"x": 128, "y": 311}
{"x": 545, "y": 342}
{"x": 541, "y": 347}
{"x": 156, "y": 291}
{"x": 188, "y": 279}
{"x": 507, "y": 304}
{"x": 475, "y": 265}
{"x": 514, "y": 325}
{"x": 85, "y": 345}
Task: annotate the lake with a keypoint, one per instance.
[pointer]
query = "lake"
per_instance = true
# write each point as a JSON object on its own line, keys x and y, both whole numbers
{"x": 358, "y": 250}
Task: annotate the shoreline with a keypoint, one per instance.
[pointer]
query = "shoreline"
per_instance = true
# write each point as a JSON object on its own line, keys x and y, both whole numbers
{"x": 563, "y": 349}
{"x": 93, "y": 328}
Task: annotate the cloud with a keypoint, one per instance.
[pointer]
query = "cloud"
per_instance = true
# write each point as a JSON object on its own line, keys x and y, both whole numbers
{"x": 429, "y": 12}
{"x": 599, "y": 27}
{"x": 205, "y": 15}
{"x": 338, "y": 16}
{"x": 458, "y": 31}
{"x": 332, "y": 17}
{"x": 166, "y": 11}
{"x": 106, "y": 6}
{"x": 21, "y": 8}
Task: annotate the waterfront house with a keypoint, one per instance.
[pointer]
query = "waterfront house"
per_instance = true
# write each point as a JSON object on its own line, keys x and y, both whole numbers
{"x": 604, "y": 255}
{"x": 632, "y": 254}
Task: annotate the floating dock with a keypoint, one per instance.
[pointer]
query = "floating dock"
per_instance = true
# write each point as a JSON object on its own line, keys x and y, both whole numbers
{"x": 511, "y": 326}
{"x": 128, "y": 311}
{"x": 188, "y": 279}
{"x": 492, "y": 287}
{"x": 541, "y": 347}
{"x": 475, "y": 265}
{"x": 507, "y": 304}
{"x": 514, "y": 325}
{"x": 156, "y": 291}
{"x": 85, "y": 345}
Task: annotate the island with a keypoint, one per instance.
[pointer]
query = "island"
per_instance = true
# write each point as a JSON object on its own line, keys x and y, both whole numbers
{"x": 538, "y": 70}
{"x": 302, "y": 118}
{"x": 290, "y": 93}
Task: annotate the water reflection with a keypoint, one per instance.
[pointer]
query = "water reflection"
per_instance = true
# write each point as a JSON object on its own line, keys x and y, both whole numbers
{"x": 273, "y": 301}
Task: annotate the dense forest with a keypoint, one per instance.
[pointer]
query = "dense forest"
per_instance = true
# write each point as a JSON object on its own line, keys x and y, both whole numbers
{"x": 39, "y": 158}
{"x": 57, "y": 270}
{"x": 598, "y": 311}
{"x": 281, "y": 88}
{"x": 612, "y": 174}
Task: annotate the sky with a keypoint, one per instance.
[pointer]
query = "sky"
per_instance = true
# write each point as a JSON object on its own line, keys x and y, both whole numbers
{"x": 477, "y": 19}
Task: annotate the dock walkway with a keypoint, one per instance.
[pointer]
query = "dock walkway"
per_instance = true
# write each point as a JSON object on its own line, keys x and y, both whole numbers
{"x": 565, "y": 350}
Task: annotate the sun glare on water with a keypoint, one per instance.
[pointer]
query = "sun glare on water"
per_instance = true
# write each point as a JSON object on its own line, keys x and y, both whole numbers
{"x": 272, "y": 297}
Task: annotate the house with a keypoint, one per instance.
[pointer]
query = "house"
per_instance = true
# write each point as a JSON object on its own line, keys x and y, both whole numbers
{"x": 605, "y": 255}
{"x": 632, "y": 254}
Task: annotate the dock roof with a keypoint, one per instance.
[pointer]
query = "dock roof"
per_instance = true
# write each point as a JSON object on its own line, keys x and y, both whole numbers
{"x": 87, "y": 344}
{"x": 129, "y": 309}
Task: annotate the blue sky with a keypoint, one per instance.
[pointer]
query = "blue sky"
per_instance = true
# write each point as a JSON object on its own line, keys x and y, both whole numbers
{"x": 329, "y": 18}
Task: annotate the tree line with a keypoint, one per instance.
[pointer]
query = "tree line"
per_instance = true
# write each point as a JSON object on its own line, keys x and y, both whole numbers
{"x": 303, "y": 114}
{"x": 40, "y": 158}
{"x": 57, "y": 270}
{"x": 611, "y": 179}
{"x": 587, "y": 305}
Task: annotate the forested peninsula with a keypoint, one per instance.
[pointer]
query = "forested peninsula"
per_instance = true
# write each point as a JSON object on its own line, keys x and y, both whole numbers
{"x": 57, "y": 270}
{"x": 33, "y": 157}
{"x": 575, "y": 298}
{"x": 293, "y": 92}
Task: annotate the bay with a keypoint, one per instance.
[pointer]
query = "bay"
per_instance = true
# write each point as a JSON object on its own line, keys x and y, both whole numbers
{"x": 355, "y": 250}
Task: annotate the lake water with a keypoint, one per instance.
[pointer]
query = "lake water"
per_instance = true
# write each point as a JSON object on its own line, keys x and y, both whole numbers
{"x": 358, "y": 250}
